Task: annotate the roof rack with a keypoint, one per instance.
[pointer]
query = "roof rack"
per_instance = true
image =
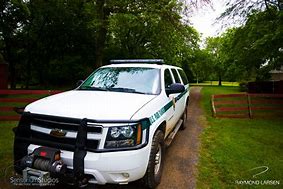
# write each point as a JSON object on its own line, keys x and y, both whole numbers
{"x": 128, "y": 61}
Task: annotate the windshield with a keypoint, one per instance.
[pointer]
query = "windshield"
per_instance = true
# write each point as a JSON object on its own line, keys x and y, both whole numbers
{"x": 124, "y": 79}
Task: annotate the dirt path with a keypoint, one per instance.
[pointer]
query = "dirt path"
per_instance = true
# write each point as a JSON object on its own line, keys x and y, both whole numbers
{"x": 182, "y": 155}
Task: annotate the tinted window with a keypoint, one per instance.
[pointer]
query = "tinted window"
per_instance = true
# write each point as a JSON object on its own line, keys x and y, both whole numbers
{"x": 167, "y": 78}
{"x": 184, "y": 77}
{"x": 177, "y": 79}
{"x": 124, "y": 79}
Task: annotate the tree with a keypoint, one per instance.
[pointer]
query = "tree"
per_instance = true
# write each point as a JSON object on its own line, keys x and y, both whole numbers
{"x": 12, "y": 19}
{"x": 224, "y": 60}
{"x": 251, "y": 50}
{"x": 239, "y": 10}
{"x": 62, "y": 41}
{"x": 152, "y": 30}
{"x": 259, "y": 41}
{"x": 202, "y": 66}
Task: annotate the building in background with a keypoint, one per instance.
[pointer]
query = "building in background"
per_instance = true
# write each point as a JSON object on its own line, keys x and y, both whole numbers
{"x": 277, "y": 75}
{"x": 3, "y": 73}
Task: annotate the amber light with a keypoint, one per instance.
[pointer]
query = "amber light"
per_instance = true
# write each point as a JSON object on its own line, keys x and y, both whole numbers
{"x": 139, "y": 133}
{"x": 57, "y": 157}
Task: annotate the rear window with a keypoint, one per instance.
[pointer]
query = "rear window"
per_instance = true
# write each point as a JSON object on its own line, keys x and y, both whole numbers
{"x": 177, "y": 79}
{"x": 184, "y": 77}
{"x": 167, "y": 78}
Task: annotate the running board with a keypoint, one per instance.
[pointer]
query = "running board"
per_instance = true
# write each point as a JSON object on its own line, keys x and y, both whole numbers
{"x": 171, "y": 136}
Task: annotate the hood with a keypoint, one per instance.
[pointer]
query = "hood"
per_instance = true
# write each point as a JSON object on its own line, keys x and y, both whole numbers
{"x": 99, "y": 105}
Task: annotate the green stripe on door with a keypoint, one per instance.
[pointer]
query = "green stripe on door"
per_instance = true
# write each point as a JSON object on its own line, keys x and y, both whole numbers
{"x": 159, "y": 113}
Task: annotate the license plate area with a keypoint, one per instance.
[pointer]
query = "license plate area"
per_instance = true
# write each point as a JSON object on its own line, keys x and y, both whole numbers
{"x": 37, "y": 177}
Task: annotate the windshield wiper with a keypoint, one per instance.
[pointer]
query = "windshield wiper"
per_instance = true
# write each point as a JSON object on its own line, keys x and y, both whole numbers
{"x": 127, "y": 90}
{"x": 92, "y": 88}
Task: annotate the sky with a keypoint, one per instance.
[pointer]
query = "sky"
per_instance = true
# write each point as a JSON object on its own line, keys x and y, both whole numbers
{"x": 204, "y": 19}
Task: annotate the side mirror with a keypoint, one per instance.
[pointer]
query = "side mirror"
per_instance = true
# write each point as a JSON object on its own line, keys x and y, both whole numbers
{"x": 79, "y": 82}
{"x": 175, "y": 88}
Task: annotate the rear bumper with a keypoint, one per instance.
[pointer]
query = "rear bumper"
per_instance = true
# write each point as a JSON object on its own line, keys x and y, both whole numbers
{"x": 110, "y": 167}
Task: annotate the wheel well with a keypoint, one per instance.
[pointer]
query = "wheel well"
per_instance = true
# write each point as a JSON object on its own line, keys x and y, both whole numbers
{"x": 162, "y": 127}
{"x": 187, "y": 101}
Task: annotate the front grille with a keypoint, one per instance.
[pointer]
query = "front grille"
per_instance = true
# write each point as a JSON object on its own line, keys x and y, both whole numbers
{"x": 62, "y": 123}
{"x": 60, "y": 143}
{"x": 44, "y": 124}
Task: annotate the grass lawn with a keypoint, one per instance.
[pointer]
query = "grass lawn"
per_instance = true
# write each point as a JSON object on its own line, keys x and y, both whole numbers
{"x": 215, "y": 83}
{"x": 232, "y": 148}
{"x": 6, "y": 148}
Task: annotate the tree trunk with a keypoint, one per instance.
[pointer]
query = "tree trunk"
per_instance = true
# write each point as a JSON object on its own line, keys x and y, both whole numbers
{"x": 28, "y": 66}
{"x": 28, "y": 74}
{"x": 12, "y": 75}
{"x": 101, "y": 32}
{"x": 219, "y": 80}
{"x": 9, "y": 58}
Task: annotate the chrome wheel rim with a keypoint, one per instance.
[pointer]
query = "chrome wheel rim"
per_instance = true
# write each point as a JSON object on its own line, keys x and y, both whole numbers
{"x": 157, "y": 159}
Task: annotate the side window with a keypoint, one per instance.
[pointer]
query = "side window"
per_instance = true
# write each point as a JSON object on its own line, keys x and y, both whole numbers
{"x": 184, "y": 77}
{"x": 175, "y": 74}
{"x": 167, "y": 78}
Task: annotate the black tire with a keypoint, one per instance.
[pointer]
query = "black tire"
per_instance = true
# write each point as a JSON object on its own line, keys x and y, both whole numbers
{"x": 153, "y": 173}
{"x": 184, "y": 118}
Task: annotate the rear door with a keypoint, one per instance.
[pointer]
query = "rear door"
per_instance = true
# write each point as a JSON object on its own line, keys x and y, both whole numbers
{"x": 179, "y": 101}
{"x": 171, "y": 121}
{"x": 185, "y": 82}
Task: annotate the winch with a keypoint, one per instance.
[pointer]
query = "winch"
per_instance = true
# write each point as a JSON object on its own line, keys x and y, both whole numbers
{"x": 42, "y": 164}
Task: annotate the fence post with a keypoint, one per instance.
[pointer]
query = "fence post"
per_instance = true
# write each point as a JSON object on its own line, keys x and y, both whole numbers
{"x": 249, "y": 106}
{"x": 213, "y": 107}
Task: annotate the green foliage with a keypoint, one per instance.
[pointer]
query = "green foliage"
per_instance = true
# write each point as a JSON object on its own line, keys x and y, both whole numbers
{"x": 259, "y": 41}
{"x": 238, "y": 11}
{"x": 249, "y": 52}
{"x": 151, "y": 30}
{"x": 59, "y": 42}
{"x": 202, "y": 66}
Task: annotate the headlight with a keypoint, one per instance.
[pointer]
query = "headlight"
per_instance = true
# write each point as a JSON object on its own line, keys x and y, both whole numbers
{"x": 115, "y": 132}
{"x": 125, "y": 136}
{"x": 126, "y": 131}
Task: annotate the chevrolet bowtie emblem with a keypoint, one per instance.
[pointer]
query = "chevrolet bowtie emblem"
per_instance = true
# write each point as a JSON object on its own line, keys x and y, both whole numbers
{"x": 58, "y": 132}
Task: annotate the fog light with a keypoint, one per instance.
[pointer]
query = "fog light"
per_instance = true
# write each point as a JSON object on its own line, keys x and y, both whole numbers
{"x": 127, "y": 175}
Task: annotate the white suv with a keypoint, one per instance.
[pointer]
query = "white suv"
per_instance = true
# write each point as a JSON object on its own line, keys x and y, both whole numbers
{"x": 113, "y": 128}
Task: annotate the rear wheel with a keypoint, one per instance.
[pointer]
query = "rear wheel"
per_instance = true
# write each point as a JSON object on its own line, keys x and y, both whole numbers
{"x": 155, "y": 165}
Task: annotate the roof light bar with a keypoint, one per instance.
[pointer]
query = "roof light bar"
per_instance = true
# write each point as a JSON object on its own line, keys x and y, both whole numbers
{"x": 126, "y": 61}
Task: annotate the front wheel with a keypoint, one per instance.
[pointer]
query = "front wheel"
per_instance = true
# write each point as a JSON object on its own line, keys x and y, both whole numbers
{"x": 155, "y": 165}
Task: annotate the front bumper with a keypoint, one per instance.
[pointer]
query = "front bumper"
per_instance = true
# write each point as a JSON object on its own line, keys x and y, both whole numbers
{"x": 118, "y": 167}
{"x": 82, "y": 147}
